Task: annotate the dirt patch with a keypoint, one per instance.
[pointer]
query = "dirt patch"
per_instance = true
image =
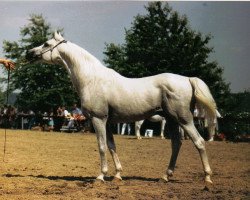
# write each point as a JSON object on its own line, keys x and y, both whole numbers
{"x": 42, "y": 165}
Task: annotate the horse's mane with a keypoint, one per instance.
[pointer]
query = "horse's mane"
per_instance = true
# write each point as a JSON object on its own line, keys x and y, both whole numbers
{"x": 80, "y": 53}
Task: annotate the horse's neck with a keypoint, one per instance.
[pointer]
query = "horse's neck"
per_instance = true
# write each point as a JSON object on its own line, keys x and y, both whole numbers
{"x": 81, "y": 65}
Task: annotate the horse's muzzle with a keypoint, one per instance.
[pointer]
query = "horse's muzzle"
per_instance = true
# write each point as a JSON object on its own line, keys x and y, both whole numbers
{"x": 32, "y": 56}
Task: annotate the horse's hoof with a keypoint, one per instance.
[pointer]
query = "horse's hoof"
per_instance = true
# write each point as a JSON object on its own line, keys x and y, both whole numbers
{"x": 208, "y": 184}
{"x": 164, "y": 179}
{"x": 118, "y": 175}
{"x": 208, "y": 180}
{"x": 100, "y": 178}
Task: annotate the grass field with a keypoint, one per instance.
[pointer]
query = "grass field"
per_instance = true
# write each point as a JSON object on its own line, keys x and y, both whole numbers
{"x": 42, "y": 165}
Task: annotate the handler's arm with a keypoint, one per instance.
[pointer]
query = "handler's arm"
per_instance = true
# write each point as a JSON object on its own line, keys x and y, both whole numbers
{"x": 7, "y": 63}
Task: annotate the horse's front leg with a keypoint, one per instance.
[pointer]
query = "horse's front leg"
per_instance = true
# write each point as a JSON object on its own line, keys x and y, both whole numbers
{"x": 100, "y": 129}
{"x": 112, "y": 149}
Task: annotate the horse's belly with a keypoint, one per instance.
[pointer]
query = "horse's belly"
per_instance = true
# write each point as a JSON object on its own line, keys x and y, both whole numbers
{"x": 135, "y": 107}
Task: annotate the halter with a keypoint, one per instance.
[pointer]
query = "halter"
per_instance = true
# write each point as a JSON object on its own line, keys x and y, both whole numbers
{"x": 52, "y": 48}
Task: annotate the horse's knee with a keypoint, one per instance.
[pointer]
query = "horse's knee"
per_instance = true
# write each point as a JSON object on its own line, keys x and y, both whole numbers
{"x": 102, "y": 150}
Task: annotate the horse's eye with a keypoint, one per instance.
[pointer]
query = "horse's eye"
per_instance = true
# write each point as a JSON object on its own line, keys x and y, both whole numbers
{"x": 46, "y": 44}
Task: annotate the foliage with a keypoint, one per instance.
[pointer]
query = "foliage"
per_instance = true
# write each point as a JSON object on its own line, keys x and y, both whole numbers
{"x": 235, "y": 123}
{"x": 238, "y": 103}
{"x": 2, "y": 98}
{"x": 41, "y": 86}
{"x": 162, "y": 41}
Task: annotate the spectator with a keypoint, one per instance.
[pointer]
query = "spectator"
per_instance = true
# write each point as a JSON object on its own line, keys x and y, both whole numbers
{"x": 51, "y": 120}
{"x": 76, "y": 110}
{"x": 58, "y": 119}
{"x": 78, "y": 116}
{"x": 31, "y": 119}
{"x": 75, "y": 118}
{"x": 11, "y": 116}
{"x": 67, "y": 117}
{"x": 65, "y": 112}
{"x": 59, "y": 112}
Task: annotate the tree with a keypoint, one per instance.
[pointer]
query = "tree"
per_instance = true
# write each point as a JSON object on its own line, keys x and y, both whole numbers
{"x": 2, "y": 97}
{"x": 162, "y": 41}
{"x": 41, "y": 86}
{"x": 238, "y": 102}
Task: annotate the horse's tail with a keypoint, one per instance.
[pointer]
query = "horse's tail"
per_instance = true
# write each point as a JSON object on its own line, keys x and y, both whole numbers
{"x": 204, "y": 98}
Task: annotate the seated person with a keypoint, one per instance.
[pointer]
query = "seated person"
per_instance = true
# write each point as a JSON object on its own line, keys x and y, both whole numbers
{"x": 77, "y": 113}
{"x": 68, "y": 117}
{"x": 76, "y": 117}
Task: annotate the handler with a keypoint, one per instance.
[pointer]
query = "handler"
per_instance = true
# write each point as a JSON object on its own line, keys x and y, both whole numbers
{"x": 7, "y": 63}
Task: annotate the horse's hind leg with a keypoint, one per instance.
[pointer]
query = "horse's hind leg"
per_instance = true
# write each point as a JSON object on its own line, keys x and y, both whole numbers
{"x": 112, "y": 150}
{"x": 200, "y": 145}
{"x": 137, "y": 129}
{"x": 175, "y": 135}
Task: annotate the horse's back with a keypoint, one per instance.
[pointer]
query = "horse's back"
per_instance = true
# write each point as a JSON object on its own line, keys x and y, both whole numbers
{"x": 172, "y": 80}
{"x": 141, "y": 97}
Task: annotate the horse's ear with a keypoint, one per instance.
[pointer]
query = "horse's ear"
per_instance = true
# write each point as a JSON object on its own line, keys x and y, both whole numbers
{"x": 58, "y": 36}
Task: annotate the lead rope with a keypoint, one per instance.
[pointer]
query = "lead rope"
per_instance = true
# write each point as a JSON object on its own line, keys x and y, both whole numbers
{"x": 7, "y": 101}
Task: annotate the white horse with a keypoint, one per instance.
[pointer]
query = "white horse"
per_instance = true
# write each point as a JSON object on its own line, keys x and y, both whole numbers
{"x": 109, "y": 97}
{"x": 154, "y": 118}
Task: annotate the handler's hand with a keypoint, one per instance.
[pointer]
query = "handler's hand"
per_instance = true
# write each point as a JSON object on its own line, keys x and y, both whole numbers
{"x": 8, "y": 64}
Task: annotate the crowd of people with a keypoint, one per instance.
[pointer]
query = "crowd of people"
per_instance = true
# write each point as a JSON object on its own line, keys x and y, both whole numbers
{"x": 54, "y": 120}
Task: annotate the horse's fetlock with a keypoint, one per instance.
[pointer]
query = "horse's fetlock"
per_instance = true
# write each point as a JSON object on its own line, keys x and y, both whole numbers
{"x": 208, "y": 173}
{"x": 170, "y": 172}
{"x": 105, "y": 170}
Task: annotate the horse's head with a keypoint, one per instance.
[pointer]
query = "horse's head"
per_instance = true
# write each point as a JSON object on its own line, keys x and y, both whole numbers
{"x": 48, "y": 51}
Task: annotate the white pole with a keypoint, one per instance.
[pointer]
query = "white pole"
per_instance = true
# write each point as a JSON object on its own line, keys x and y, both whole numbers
{"x": 118, "y": 128}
